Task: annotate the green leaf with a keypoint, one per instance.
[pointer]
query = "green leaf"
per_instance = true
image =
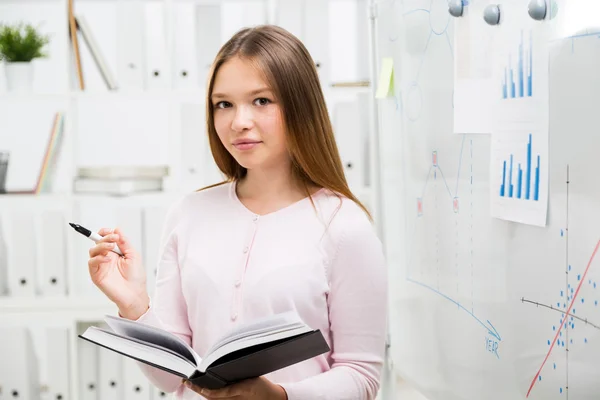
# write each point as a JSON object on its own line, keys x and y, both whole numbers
{"x": 21, "y": 43}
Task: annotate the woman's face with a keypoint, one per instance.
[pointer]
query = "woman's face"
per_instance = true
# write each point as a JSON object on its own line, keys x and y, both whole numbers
{"x": 247, "y": 116}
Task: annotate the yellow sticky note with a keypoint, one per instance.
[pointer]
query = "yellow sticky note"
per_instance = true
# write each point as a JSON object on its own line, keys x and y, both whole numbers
{"x": 386, "y": 78}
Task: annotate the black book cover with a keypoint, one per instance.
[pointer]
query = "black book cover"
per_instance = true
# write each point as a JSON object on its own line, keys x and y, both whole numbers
{"x": 251, "y": 362}
{"x": 259, "y": 360}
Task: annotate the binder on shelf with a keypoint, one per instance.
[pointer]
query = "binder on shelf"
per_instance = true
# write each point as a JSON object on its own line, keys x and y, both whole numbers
{"x": 156, "y": 46}
{"x": 129, "y": 219}
{"x": 19, "y": 374}
{"x": 185, "y": 67}
{"x": 316, "y": 36}
{"x": 364, "y": 101}
{"x": 52, "y": 271}
{"x": 57, "y": 385}
{"x": 22, "y": 254}
{"x": 152, "y": 222}
{"x": 158, "y": 394}
{"x": 348, "y": 132}
{"x": 87, "y": 366}
{"x": 291, "y": 17}
{"x": 131, "y": 65}
{"x": 96, "y": 52}
{"x": 110, "y": 375}
{"x": 208, "y": 37}
{"x": 193, "y": 143}
{"x": 137, "y": 386}
{"x": 3, "y": 255}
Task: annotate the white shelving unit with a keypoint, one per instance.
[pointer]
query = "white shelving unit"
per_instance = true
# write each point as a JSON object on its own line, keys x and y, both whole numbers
{"x": 59, "y": 91}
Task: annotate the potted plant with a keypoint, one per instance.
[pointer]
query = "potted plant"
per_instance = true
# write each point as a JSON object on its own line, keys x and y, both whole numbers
{"x": 19, "y": 45}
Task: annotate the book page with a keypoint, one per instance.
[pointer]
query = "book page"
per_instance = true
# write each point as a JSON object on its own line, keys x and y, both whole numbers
{"x": 271, "y": 324}
{"x": 154, "y": 335}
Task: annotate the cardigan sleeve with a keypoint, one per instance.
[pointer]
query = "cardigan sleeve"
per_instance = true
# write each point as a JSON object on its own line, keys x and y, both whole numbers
{"x": 357, "y": 304}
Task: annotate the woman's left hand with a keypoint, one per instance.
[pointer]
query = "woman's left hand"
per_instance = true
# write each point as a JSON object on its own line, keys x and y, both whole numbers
{"x": 250, "y": 389}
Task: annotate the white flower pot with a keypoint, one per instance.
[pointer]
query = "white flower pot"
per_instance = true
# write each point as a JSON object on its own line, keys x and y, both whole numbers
{"x": 19, "y": 76}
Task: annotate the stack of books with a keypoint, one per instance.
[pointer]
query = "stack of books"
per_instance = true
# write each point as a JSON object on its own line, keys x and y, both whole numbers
{"x": 120, "y": 180}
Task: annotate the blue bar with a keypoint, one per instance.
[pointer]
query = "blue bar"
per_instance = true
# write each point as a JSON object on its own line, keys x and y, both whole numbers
{"x": 530, "y": 73}
{"x": 510, "y": 186}
{"x": 521, "y": 72}
{"x": 519, "y": 179}
{"x": 512, "y": 83}
{"x": 528, "y": 170}
{"x": 503, "y": 180}
{"x": 536, "y": 194}
{"x": 504, "y": 85}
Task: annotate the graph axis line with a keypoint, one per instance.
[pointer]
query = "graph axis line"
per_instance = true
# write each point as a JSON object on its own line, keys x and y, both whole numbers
{"x": 560, "y": 310}
{"x": 587, "y": 268}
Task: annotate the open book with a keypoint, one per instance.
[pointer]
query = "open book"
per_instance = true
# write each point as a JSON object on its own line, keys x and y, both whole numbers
{"x": 253, "y": 349}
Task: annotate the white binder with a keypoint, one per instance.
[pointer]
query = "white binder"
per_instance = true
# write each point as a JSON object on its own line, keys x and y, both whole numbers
{"x": 316, "y": 35}
{"x": 137, "y": 386}
{"x": 209, "y": 38}
{"x": 364, "y": 105}
{"x": 158, "y": 394}
{"x": 185, "y": 68}
{"x": 87, "y": 358}
{"x": 193, "y": 143}
{"x": 52, "y": 270}
{"x": 3, "y": 255}
{"x": 130, "y": 46}
{"x": 57, "y": 364}
{"x": 18, "y": 366}
{"x": 155, "y": 46}
{"x": 242, "y": 14}
{"x": 22, "y": 255}
{"x": 347, "y": 130}
{"x": 290, "y": 16}
{"x": 153, "y": 220}
{"x": 129, "y": 219}
{"x": 110, "y": 375}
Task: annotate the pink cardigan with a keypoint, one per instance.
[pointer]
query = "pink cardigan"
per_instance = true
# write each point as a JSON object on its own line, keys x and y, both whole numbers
{"x": 221, "y": 265}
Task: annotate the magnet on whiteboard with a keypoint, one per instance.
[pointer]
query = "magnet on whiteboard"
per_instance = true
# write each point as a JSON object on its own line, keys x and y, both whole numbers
{"x": 491, "y": 14}
{"x": 455, "y": 8}
{"x": 537, "y": 9}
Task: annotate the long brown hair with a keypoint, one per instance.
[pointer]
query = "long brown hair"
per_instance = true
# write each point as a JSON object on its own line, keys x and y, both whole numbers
{"x": 292, "y": 75}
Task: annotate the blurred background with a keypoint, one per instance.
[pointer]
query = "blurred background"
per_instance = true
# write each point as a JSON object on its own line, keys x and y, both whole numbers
{"x": 102, "y": 124}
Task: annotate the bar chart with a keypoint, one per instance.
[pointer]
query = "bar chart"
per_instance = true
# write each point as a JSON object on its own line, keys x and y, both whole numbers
{"x": 521, "y": 182}
{"x": 517, "y": 81}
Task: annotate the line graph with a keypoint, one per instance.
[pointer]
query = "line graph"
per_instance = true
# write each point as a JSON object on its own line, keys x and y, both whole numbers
{"x": 436, "y": 174}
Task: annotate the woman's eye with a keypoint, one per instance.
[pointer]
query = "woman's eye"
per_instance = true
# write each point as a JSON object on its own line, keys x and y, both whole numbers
{"x": 223, "y": 104}
{"x": 262, "y": 101}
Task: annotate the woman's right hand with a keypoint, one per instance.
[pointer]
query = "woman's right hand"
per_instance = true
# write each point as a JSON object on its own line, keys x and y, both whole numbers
{"x": 121, "y": 279}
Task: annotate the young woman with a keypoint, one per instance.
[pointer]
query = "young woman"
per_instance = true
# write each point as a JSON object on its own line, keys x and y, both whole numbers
{"x": 283, "y": 232}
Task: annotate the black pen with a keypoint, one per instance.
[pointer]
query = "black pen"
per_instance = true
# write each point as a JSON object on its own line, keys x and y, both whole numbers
{"x": 93, "y": 236}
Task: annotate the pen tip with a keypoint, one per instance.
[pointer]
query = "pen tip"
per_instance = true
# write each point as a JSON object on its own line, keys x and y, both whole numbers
{"x": 72, "y": 225}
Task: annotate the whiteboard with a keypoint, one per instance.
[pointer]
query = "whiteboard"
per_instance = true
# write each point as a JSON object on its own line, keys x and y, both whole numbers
{"x": 477, "y": 303}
